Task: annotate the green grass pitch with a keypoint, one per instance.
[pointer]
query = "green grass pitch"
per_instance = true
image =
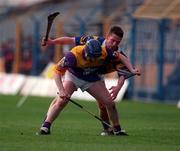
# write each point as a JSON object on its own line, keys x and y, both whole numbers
{"x": 151, "y": 127}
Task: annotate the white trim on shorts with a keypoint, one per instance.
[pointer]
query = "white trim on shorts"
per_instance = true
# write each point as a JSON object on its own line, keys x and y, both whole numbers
{"x": 79, "y": 83}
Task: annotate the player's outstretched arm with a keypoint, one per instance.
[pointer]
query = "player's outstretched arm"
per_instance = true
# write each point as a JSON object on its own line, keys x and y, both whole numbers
{"x": 59, "y": 41}
{"x": 127, "y": 63}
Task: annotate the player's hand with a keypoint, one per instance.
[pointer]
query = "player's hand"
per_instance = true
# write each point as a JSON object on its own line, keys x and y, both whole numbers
{"x": 63, "y": 95}
{"x": 43, "y": 42}
{"x": 136, "y": 71}
{"x": 116, "y": 54}
{"x": 46, "y": 42}
{"x": 114, "y": 90}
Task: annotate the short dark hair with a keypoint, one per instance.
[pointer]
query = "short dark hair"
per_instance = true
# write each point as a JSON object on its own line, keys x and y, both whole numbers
{"x": 117, "y": 31}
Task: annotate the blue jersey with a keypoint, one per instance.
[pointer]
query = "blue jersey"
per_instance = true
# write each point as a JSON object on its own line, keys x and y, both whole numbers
{"x": 83, "y": 39}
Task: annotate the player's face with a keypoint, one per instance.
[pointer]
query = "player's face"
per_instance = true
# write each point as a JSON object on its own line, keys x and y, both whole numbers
{"x": 113, "y": 41}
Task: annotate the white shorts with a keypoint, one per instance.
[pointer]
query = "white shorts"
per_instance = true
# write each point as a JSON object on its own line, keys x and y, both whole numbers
{"x": 79, "y": 83}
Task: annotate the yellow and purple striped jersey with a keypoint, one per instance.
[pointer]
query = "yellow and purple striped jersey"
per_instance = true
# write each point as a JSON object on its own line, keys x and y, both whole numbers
{"x": 82, "y": 67}
{"x": 109, "y": 67}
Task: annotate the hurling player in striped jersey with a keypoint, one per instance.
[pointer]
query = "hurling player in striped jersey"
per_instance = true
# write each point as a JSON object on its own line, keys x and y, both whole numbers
{"x": 111, "y": 42}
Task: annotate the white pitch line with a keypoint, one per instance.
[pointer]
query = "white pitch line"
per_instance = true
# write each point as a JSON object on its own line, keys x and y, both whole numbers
{"x": 22, "y": 101}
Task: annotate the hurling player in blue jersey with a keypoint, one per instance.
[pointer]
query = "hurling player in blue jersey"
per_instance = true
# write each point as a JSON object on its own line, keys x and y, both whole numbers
{"x": 111, "y": 42}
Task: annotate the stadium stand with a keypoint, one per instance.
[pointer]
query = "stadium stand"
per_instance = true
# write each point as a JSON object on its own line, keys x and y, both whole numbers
{"x": 28, "y": 24}
{"x": 156, "y": 26}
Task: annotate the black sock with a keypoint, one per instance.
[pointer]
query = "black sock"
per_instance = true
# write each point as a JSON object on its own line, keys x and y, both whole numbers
{"x": 105, "y": 126}
{"x": 117, "y": 128}
{"x": 47, "y": 125}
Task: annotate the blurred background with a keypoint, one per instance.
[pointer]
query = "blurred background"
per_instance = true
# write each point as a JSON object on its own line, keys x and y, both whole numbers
{"x": 151, "y": 41}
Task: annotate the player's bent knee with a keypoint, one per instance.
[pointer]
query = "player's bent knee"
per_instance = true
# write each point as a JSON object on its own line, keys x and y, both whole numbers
{"x": 61, "y": 102}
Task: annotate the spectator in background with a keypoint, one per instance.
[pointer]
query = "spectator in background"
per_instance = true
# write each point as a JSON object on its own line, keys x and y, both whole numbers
{"x": 7, "y": 52}
{"x": 26, "y": 62}
{"x": 26, "y": 56}
{"x": 2, "y": 62}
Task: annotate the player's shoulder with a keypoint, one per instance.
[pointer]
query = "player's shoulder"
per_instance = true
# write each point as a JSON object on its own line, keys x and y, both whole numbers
{"x": 83, "y": 39}
{"x": 77, "y": 49}
{"x": 99, "y": 39}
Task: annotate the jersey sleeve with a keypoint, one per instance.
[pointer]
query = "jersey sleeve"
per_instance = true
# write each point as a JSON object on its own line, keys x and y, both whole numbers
{"x": 77, "y": 41}
{"x": 83, "y": 39}
{"x": 68, "y": 61}
{"x": 100, "y": 39}
{"x": 110, "y": 55}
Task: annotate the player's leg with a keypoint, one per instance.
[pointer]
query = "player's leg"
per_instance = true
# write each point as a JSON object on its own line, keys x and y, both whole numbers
{"x": 105, "y": 117}
{"x": 103, "y": 112}
{"x": 104, "y": 97}
{"x": 56, "y": 107}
